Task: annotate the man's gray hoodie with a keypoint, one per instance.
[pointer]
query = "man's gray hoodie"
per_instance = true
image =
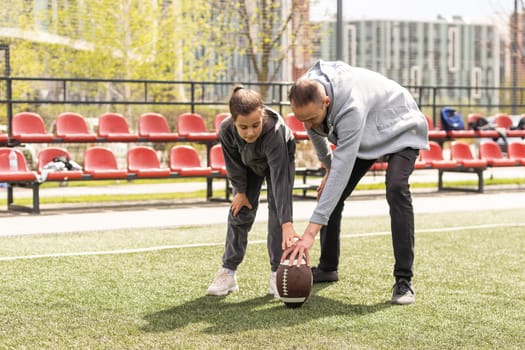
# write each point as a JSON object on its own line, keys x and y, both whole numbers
{"x": 369, "y": 116}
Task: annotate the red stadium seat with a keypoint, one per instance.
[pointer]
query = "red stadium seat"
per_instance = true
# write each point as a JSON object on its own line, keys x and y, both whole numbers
{"x": 3, "y": 138}
{"x": 419, "y": 164}
{"x": 185, "y": 161}
{"x": 47, "y": 155}
{"x": 30, "y": 127}
{"x": 100, "y": 163}
{"x": 218, "y": 120}
{"x": 144, "y": 162}
{"x": 22, "y": 172}
{"x": 434, "y": 133}
{"x": 472, "y": 118}
{"x": 154, "y": 127}
{"x": 297, "y": 127}
{"x": 460, "y": 152}
{"x": 491, "y": 152}
{"x": 72, "y": 127}
{"x": 379, "y": 166}
{"x": 191, "y": 126}
{"x": 503, "y": 121}
{"x": 434, "y": 157}
{"x": 114, "y": 127}
{"x": 217, "y": 159}
{"x": 516, "y": 152}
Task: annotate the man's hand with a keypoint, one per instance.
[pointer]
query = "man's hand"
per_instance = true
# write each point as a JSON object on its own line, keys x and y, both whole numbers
{"x": 302, "y": 246}
{"x": 240, "y": 200}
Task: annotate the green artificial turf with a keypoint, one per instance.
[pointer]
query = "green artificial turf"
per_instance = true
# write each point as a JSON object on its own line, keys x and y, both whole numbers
{"x": 87, "y": 291}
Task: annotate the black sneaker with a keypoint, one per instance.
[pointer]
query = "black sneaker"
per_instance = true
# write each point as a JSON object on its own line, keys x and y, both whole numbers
{"x": 320, "y": 276}
{"x": 402, "y": 293}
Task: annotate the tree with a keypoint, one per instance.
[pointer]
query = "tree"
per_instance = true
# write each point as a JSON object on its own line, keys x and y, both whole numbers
{"x": 127, "y": 39}
{"x": 151, "y": 39}
{"x": 267, "y": 31}
{"x": 115, "y": 39}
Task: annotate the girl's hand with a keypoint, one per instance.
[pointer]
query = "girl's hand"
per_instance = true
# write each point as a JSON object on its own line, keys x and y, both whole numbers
{"x": 289, "y": 235}
{"x": 239, "y": 200}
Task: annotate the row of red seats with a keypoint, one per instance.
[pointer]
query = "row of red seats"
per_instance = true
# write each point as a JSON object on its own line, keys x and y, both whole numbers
{"x": 100, "y": 163}
{"x": 72, "y": 127}
{"x": 489, "y": 154}
{"x": 112, "y": 127}
{"x": 462, "y": 157}
{"x": 502, "y": 121}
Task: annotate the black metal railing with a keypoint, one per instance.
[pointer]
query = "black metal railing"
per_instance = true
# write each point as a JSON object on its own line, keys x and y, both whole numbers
{"x": 25, "y": 93}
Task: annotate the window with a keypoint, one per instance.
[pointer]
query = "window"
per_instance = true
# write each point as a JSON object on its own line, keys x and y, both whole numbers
{"x": 453, "y": 49}
{"x": 475, "y": 82}
{"x": 415, "y": 80}
{"x": 352, "y": 45}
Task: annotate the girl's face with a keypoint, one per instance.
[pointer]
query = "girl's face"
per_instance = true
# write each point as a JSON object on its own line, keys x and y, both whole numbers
{"x": 249, "y": 126}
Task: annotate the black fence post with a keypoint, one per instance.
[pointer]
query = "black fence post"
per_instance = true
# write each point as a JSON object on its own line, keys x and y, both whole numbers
{"x": 434, "y": 117}
{"x": 9, "y": 90}
{"x": 192, "y": 97}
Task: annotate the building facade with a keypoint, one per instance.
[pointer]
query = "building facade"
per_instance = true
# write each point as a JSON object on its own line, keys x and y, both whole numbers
{"x": 516, "y": 49}
{"x": 415, "y": 53}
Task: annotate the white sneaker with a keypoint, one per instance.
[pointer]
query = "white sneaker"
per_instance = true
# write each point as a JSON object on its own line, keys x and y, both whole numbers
{"x": 224, "y": 282}
{"x": 273, "y": 285}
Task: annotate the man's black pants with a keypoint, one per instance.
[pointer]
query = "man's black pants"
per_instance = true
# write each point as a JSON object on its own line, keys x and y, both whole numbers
{"x": 400, "y": 167}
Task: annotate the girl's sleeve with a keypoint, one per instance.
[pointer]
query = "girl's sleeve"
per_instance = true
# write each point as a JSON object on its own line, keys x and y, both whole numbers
{"x": 280, "y": 154}
{"x": 237, "y": 171}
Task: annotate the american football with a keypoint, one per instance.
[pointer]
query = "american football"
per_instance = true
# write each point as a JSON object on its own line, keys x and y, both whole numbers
{"x": 294, "y": 283}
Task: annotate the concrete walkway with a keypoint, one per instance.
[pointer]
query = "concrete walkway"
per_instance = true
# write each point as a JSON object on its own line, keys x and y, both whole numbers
{"x": 118, "y": 217}
{"x": 63, "y": 218}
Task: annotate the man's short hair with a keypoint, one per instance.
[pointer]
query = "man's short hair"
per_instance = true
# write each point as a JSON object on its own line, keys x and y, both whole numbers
{"x": 304, "y": 91}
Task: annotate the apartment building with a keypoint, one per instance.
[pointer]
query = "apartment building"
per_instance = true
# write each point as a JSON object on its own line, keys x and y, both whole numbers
{"x": 444, "y": 52}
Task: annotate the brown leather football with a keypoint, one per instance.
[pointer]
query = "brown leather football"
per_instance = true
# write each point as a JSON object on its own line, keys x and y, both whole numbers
{"x": 294, "y": 283}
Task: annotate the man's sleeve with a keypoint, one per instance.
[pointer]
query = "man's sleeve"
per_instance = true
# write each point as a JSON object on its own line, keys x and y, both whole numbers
{"x": 345, "y": 154}
{"x": 322, "y": 148}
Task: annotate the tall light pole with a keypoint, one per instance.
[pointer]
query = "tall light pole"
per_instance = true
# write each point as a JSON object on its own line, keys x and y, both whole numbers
{"x": 514, "y": 54}
{"x": 339, "y": 31}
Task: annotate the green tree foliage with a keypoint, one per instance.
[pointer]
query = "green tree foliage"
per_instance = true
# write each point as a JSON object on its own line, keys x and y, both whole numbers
{"x": 116, "y": 39}
{"x": 178, "y": 40}
{"x": 128, "y": 39}
{"x": 267, "y": 30}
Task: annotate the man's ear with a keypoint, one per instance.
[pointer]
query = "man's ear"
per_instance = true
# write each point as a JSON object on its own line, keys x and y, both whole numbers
{"x": 326, "y": 100}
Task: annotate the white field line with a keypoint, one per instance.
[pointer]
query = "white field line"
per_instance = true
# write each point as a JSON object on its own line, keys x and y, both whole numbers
{"x": 212, "y": 244}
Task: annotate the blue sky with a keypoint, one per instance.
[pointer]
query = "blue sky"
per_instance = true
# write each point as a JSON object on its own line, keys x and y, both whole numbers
{"x": 474, "y": 10}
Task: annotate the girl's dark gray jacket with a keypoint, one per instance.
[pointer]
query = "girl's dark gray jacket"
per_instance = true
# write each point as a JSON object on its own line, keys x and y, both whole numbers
{"x": 272, "y": 155}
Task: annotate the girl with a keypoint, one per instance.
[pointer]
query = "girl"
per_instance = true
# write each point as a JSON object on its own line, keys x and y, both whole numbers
{"x": 257, "y": 146}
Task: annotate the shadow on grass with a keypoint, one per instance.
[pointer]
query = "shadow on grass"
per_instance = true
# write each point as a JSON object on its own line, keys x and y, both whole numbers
{"x": 258, "y": 313}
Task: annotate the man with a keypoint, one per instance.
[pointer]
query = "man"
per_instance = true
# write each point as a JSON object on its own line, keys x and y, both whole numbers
{"x": 367, "y": 117}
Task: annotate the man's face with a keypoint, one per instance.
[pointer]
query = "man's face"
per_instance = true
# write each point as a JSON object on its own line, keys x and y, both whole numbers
{"x": 312, "y": 114}
{"x": 249, "y": 126}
